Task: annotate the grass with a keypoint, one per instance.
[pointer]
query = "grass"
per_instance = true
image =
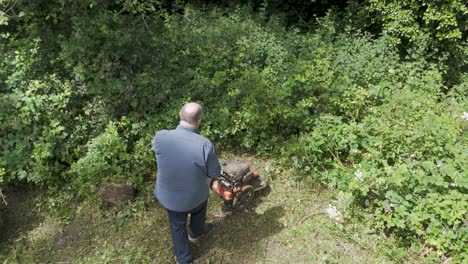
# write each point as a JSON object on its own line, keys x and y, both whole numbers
{"x": 287, "y": 224}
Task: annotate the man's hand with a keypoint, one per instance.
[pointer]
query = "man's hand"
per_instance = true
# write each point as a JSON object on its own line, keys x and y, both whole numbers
{"x": 210, "y": 182}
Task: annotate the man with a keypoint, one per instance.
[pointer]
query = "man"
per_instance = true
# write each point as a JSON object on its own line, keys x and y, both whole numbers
{"x": 185, "y": 161}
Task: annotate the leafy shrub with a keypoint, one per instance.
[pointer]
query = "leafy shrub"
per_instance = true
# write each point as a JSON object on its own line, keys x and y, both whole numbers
{"x": 35, "y": 121}
{"x": 412, "y": 169}
{"x": 82, "y": 96}
{"x": 393, "y": 143}
{"x": 404, "y": 163}
{"x": 106, "y": 158}
{"x": 419, "y": 22}
{"x": 321, "y": 153}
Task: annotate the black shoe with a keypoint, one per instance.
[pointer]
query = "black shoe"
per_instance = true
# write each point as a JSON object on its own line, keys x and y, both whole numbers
{"x": 208, "y": 229}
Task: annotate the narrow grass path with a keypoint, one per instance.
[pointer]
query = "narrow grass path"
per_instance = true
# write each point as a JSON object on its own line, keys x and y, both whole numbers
{"x": 287, "y": 224}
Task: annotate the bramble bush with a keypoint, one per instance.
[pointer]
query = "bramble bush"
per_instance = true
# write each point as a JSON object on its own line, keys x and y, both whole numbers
{"x": 412, "y": 169}
{"x": 393, "y": 143}
{"x": 34, "y": 120}
{"x": 106, "y": 158}
{"x": 83, "y": 93}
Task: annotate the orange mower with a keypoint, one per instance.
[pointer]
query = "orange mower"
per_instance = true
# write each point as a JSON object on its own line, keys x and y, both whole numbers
{"x": 237, "y": 183}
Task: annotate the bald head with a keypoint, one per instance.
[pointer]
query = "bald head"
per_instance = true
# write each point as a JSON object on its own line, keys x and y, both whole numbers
{"x": 191, "y": 113}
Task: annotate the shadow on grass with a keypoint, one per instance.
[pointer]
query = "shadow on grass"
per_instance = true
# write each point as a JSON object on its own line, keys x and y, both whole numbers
{"x": 236, "y": 237}
{"x": 19, "y": 215}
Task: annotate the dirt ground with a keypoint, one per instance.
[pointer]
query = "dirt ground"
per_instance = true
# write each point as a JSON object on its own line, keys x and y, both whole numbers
{"x": 20, "y": 215}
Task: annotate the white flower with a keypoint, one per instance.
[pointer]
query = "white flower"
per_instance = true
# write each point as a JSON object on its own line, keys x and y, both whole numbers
{"x": 387, "y": 208}
{"x": 454, "y": 184}
{"x": 358, "y": 174}
{"x": 439, "y": 164}
{"x": 295, "y": 161}
{"x": 413, "y": 155}
{"x": 333, "y": 213}
{"x": 465, "y": 116}
{"x": 353, "y": 151}
{"x": 391, "y": 71}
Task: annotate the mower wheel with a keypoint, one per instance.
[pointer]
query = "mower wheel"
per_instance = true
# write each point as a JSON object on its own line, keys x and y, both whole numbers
{"x": 243, "y": 197}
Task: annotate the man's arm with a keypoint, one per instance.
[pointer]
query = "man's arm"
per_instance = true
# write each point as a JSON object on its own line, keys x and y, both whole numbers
{"x": 213, "y": 168}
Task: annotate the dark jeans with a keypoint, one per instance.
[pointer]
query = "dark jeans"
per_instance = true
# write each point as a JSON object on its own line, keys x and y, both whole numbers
{"x": 178, "y": 223}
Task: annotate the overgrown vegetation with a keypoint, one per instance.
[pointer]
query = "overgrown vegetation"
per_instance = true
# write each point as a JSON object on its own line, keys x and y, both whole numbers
{"x": 369, "y": 99}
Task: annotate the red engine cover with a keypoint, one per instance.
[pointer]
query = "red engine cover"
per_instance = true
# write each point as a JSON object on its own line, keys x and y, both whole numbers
{"x": 226, "y": 194}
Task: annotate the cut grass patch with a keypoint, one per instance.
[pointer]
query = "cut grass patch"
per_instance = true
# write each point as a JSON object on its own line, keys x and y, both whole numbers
{"x": 287, "y": 224}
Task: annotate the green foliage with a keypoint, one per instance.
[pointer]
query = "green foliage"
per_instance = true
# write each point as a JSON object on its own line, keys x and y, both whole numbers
{"x": 405, "y": 163}
{"x": 412, "y": 170}
{"x": 419, "y": 21}
{"x": 106, "y": 159}
{"x": 34, "y": 120}
{"x": 83, "y": 91}
{"x": 393, "y": 143}
{"x": 437, "y": 26}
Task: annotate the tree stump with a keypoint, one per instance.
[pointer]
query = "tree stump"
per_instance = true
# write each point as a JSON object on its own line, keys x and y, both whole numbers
{"x": 116, "y": 194}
